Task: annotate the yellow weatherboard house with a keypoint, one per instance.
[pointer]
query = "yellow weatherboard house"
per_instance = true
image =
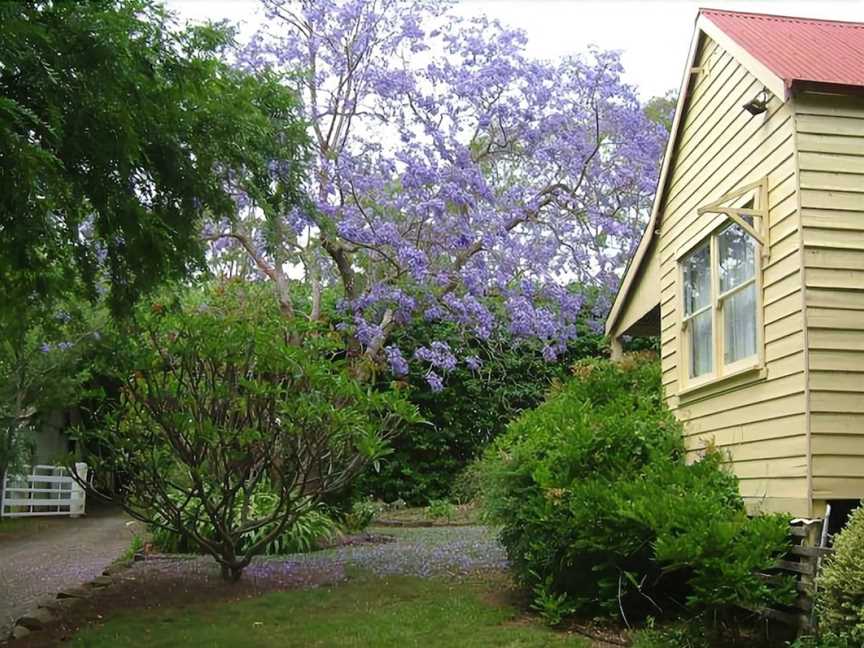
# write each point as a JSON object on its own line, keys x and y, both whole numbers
{"x": 751, "y": 269}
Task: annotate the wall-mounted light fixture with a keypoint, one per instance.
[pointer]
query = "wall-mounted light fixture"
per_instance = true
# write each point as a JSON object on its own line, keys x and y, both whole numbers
{"x": 758, "y": 104}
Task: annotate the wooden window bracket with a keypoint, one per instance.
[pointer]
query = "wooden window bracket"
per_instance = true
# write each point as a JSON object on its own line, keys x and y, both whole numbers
{"x": 758, "y": 212}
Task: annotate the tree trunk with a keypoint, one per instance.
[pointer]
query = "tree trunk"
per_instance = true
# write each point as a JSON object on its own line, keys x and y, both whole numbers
{"x": 231, "y": 573}
{"x": 231, "y": 567}
{"x": 314, "y": 265}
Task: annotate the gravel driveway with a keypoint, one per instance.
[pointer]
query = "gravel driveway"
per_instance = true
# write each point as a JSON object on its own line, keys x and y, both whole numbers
{"x": 63, "y": 553}
{"x": 421, "y": 552}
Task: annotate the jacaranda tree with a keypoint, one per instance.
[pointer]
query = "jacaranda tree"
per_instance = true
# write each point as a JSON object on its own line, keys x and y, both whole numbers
{"x": 450, "y": 169}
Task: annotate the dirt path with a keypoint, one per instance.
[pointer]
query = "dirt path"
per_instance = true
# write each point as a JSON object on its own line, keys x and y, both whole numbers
{"x": 58, "y": 554}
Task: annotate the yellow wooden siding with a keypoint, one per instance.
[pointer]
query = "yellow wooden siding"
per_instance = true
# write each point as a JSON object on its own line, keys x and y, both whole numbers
{"x": 830, "y": 140}
{"x": 760, "y": 424}
{"x": 837, "y": 423}
{"x": 642, "y": 301}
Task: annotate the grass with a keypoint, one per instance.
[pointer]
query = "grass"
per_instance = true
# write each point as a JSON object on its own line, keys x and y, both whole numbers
{"x": 366, "y": 611}
{"x": 461, "y": 514}
{"x": 135, "y": 545}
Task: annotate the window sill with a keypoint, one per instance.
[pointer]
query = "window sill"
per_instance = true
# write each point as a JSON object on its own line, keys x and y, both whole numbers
{"x": 738, "y": 378}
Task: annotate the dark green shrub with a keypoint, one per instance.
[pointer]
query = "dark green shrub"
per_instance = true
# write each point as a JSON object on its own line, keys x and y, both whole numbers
{"x": 841, "y": 585}
{"x": 598, "y": 504}
{"x": 676, "y": 636}
{"x": 825, "y": 640}
{"x": 468, "y": 484}
{"x": 474, "y": 408}
{"x": 440, "y": 509}
{"x": 360, "y": 515}
{"x": 222, "y": 401}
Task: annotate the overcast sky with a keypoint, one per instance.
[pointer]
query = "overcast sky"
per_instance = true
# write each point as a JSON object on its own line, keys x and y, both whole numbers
{"x": 653, "y": 35}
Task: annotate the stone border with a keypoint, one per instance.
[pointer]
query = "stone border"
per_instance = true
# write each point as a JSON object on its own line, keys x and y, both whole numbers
{"x": 46, "y": 610}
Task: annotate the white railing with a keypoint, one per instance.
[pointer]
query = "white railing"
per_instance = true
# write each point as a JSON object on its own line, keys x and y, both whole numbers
{"x": 46, "y": 490}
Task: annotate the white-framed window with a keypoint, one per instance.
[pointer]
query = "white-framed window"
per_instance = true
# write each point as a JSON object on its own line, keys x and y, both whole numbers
{"x": 721, "y": 318}
{"x": 698, "y": 321}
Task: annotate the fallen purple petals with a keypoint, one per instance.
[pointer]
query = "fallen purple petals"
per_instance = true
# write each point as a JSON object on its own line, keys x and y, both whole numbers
{"x": 422, "y": 552}
{"x": 419, "y": 552}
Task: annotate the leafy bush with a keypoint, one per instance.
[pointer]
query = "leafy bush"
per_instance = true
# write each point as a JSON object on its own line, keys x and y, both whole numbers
{"x": 598, "y": 504}
{"x": 135, "y": 546}
{"x": 679, "y": 635}
{"x": 825, "y": 640}
{"x": 552, "y": 607}
{"x": 360, "y": 515}
{"x": 468, "y": 485}
{"x": 223, "y": 401}
{"x": 440, "y": 509}
{"x": 301, "y": 536}
{"x": 474, "y": 408}
{"x": 840, "y": 602}
{"x": 651, "y": 638}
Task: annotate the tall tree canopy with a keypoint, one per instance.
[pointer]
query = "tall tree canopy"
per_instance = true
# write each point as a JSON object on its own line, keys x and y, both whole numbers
{"x": 455, "y": 178}
{"x": 119, "y": 131}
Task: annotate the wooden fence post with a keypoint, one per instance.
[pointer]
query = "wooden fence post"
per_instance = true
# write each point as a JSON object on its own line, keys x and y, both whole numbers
{"x": 79, "y": 494}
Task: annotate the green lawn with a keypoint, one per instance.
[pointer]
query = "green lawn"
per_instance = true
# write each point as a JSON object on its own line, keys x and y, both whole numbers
{"x": 366, "y": 611}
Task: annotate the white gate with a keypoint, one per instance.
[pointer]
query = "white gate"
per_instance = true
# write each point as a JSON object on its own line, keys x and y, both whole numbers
{"x": 46, "y": 490}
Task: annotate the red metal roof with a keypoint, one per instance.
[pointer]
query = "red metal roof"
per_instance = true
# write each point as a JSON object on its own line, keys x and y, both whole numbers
{"x": 798, "y": 49}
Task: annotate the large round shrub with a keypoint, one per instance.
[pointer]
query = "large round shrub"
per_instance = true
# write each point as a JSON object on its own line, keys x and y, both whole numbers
{"x": 600, "y": 511}
{"x": 841, "y": 584}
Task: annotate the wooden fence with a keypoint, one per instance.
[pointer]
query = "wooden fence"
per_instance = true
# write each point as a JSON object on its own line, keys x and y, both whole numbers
{"x": 810, "y": 542}
{"x": 44, "y": 490}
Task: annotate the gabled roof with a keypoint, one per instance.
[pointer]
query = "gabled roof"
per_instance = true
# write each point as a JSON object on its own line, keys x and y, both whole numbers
{"x": 798, "y": 49}
{"x": 780, "y": 51}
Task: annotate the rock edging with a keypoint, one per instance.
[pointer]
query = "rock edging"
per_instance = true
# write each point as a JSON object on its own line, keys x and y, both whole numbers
{"x": 47, "y": 610}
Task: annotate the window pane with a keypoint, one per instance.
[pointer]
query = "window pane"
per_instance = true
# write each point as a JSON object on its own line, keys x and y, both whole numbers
{"x": 697, "y": 280}
{"x": 700, "y": 344}
{"x": 736, "y": 249}
{"x": 739, "y": 317}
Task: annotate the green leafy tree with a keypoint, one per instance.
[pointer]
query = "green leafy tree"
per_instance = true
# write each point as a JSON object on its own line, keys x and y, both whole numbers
{"x": 219, "y": 406}
{"x": 43, "y": 368}
{"x": 661, "y": 109}
{"x": 119, "y": 132}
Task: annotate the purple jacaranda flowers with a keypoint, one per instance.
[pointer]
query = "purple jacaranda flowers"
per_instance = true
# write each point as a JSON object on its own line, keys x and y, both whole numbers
{"x": 454, "y": 177}
{"x": 398, "y": 364}
{"x": 434, "y": 381}
{"x": 473, "y": 362}
{"x": 438, "y": 355}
